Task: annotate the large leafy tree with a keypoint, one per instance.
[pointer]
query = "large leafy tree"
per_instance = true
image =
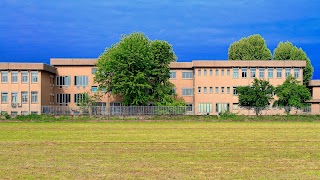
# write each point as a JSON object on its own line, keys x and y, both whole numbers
{"x": 256, "y": 96}
{"x": 292, "y": 94}
{"x": 137, "y": 69}
{"x": 287, "y": 51}
{"x": 253, "y": 47}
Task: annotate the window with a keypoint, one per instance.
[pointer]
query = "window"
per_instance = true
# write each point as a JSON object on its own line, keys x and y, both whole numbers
{"x": 217, "y": 90}
{"x": 4, "y": 76}
{"x": 81, "y": 80}
{"x": 14, "y": 113}
{"x": 288, "y": 72}
{"x": 24, "y": 76}
{"x": 63, "y": 98}
{"x": 205, "y": 72}
{"x": 210, "y": 72}
{"x": 14, "y": 97}
{"x": 189, "y": 107}
{"x": 228, "y": 90}
{"x": 78, "y": 97}
{"x": 173, "y": 74}
{"x": 187, "y": 91}
{"x": 94, "y": 88}
{"x": 244, "y": 72}
{"x": 199, "y": 89}
{"x": 24, "y": 96}
{"x": 279, "y": 72}
{"x": 199, "y": 72}
{"x": 296, "y": 72}
{"x": 205, "y": 107}
{"x": 34, "y": 97}
{"x": 187, "y": 74}
{"x": 24, "y": 113}
{"x": 228, "y": 72}
{"x": 235, "y": 72}
{"x": 222, "y": 72}
{"x": 14, "y": 76}
{"x": 235, "y": 92}
{"x": 211, "y": 90}
{"x": 205, "y": 90}
{"x": 34, "y": 76}
{"x": 63, "y": 81}
{"x": 4, "y": 97}
{"x": 34, "y": 112}
{"x": 252, "y": 72}
{"x": 222, "y": 89}
{"x": 217, "y": 72}
{"x": 261, "y": 72}
{"x": 174, "y": 91}
{"x": 222, "y": 107}
{"x": 235, "y": 106}
{"x": 93, "y": 70}
{"x": 270, "y": 73}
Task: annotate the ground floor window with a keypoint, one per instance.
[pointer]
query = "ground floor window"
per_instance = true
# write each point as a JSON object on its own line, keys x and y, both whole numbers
{"x": 189, "y": 107}
{"x": 205, "y": 107}
{"x": 222, "y": 107}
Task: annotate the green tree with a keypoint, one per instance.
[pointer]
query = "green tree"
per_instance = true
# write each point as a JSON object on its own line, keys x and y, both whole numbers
{"x": 137, "y": 69}
{"x": 291, "y": 94}
{"x": 257, "y": 96}
{"x": 287, "y": 51}
{"x": 86, "y": 101}
{"x": 253, "y": 47}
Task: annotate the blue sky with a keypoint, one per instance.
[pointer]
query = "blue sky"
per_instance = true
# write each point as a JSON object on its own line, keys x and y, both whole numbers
{"x": 36, "y": 30}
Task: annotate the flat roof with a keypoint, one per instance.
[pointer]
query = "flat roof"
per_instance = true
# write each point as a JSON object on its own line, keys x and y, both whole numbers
{"x": 73, "y": 61}
{"x": 28, "y": 66}
{"x": 314, "y": 83}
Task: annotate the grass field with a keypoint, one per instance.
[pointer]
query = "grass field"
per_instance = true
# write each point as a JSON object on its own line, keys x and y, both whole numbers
{"x": 160, "y": 150}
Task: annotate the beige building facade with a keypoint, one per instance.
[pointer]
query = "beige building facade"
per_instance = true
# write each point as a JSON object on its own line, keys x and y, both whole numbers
{"x": 208, "y": 87}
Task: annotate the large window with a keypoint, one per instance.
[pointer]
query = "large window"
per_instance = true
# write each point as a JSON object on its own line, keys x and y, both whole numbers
{"x": 14, "y": 97}
{"x": 173, "y": 74}
{"x": 205, "y": 107}
{"x": 79, "y": 97}
{"x": 288, "y": 72}
{"x": 187, "y": 74}
{"x": 4, "y": 97}
{"x": 34, "y": 97}
{"x": 14, "y": 76}
{"x": 244, "y": 72}
{"x": 279, "y": 72}
{"x": 261, "y": 72}
{"x": 63, "y": 98}
{"x": 235, "y": 72}
{"x": 81, "y": 80}
{"x": 63, "y": 81}
{"x": 270, "y": 73}
{"x": 34, "y": 76}
{"x": 24, "y": 76}
{"x": 187, "y": 91}
{"x": 24, "y": 96}
{"x": 4, "y": 76}
{"x": 252, "y": 72}
{"x": 296, "y": 72}
{"x": 222, "y": 107}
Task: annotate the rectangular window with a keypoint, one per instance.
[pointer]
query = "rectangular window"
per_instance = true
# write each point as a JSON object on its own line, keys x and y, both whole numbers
{"x": 24, "y": 113}
{"x": 210, "y": 72}
{"x": 222, "y": 107}
{"x": 199, "y": 89}
{"x": 173, "y": 74}
{"x": 235, "y": 106}
{"x": 24, "y": 76}
{"x": 296, "y": 72}
{"x": 244, "y": 72}
{"x": 279, "y": 72}
{"x": 187, "y": 91}
{"x": 4, "y": 97}
{"x": 4, "y": 76}
{"x": 270, "y": 73}
{"x": 205, "y": 72}
{"x": 222, "y": 72}
{"x": 211, "y": 90}
{"x": 187, "y": 74}
{"x": 78, "y": 97}
{"x": 24, "y": 96}
{"x": 205, "y": 107}
{"x": 63, "y": 98}
{"x": 174, "y": 91}
{"x": 217, "y": 90}
{"x": 252, "y": 72}
{"x": 34, "y": 76}
{"x": 34, "y": 97}
{"x": 199, "y": 72}
{"x": 63, "y": 81}
{"x": 217, "y": 72}
{"x": 235, "y": 91}
{"x": 94, "y": 88}
{"x": 288, "y": 72}
{"x": 205, "y": 90}
{"x": 14, "y": 76}
{"x": 14, "y": 113}
{"x": 81, "y": 80}
{"x": 189, "y": 107}
{"x": 94, "y": 70}
{"x": 261, "y": 72}
{"x": 228, "y": 72}
{"x": 228, "y": 90}
{"x": 235, "y": 72}
{"x": 14, "y": 97}
{"x": 222, "y": 89}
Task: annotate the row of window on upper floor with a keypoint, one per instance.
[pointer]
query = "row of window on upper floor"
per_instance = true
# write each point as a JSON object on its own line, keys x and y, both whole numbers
{"x": 205, "y": 90}
{"x": 244, "y": 73}
{"x": 15, "y": 76}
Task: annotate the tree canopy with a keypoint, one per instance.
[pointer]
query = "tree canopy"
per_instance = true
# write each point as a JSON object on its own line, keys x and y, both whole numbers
{"x": 137, "y": 69}
{"x": 287, "y": 51}
{"x": 257, "y": 96}
{"x": 253, "y": 47}
{"x": 292, "y": 94}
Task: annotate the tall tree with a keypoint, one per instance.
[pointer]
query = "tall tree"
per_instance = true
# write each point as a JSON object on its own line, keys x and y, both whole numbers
{"x": 253, "y": 47}
{"x": 291, "y": 94}
{"x": 287, "y": 51}
{"x": 137, "y": 69}
{"x": 256, "y": 96}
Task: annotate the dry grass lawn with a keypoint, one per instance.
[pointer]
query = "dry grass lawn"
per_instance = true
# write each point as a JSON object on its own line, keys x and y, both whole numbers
{"x": 160, "y": 150}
